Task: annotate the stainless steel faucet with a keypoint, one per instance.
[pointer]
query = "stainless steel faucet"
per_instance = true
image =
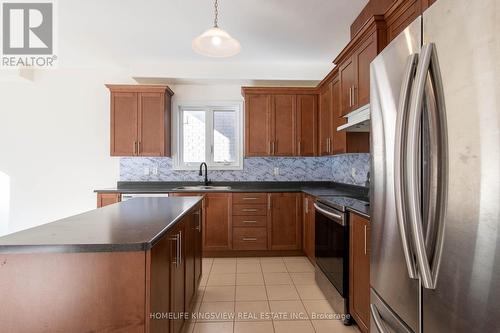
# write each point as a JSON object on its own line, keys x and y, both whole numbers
{"x": 206, "y": 182}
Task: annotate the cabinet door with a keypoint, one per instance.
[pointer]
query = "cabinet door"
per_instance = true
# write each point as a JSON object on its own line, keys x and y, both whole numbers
{"x": 217, "y": 227}
{"x": 177, "y": 276}
{"x": 160, "y": 285}
{"x": 364, "y": 56}
{"x": 286, "y": 228}
{"x": 104, "y": 199}
{"x": 198, "y": 218}
{"x": 325, "y": 120}
{"x": 347, "y": 74}
{"x": 124, "y": 123}
{"x": 360, "y": 270}
{"x": 339, "y": 138}
{"x": 151, "y": 124}
{"x": 308, "y": 227}
{"x": 283, "y": 125}
{"x": 307, "y": 124}
{"x": 190, "y": 224}
{"x": 257, "y": 125}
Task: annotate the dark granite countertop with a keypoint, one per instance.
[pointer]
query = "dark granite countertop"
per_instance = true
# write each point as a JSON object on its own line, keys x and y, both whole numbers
{"x": 134, "y": 225}
{"x": 313, "y": 188}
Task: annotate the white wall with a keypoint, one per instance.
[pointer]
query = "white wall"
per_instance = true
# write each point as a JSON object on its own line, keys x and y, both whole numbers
{"x": 54, "y": 145}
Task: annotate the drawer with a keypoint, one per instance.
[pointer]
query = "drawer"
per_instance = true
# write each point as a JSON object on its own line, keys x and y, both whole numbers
{"x": 250, "y": 221}
{"x": 249, "y": 198}
{"x": 249, "y": 238}
{"x": 250, "y": 209}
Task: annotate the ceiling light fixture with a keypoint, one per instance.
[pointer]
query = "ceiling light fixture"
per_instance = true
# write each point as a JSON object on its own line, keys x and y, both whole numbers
{"x": 216, "y": 42}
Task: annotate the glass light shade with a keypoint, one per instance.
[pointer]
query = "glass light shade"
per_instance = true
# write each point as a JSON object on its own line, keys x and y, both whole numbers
{"x": 216, "y": 42}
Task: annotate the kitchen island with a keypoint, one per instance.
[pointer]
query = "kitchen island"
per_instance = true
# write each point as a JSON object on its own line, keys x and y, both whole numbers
{"x": 130, "y": 267}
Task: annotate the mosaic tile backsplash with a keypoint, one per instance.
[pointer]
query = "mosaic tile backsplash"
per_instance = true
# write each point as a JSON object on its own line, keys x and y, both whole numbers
{"x": 348, "y": 169}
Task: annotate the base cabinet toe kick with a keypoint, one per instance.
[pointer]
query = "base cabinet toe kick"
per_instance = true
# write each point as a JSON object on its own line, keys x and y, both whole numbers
{"x": 151, "y": 290}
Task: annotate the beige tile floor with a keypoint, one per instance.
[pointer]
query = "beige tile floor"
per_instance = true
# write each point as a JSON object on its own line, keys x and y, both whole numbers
{"x": 260, "y": 295}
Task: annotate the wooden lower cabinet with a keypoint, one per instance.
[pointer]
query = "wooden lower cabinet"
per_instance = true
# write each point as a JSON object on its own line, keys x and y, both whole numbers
{"x": 285, "y": 232}
{"x": 359, "y": 271}
{"x": 104, "y": 199}
{"x": 308, "y": 227}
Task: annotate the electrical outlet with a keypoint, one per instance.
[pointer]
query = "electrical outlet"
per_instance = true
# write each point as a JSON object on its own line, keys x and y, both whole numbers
{"x": 155, "y": 170}
{"x": 353, "y": 172}
{"x": 276, "y": 171}
{"x": 146, "y": 171}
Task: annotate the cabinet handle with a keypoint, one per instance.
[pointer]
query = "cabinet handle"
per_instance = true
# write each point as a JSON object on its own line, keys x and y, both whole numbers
{"x": 273, "y": 148}
{"x": 350, "y": 96}
{"x": 299, "y": 148}
{"x": 139, "y": 148}
{"x": 328, "y": 145}
{"x": 269, "y": 201}
{"x": 135, "y": 147}
{"x": 353, "y": 95}
{"x": 365, "y": 240}
{"x": 176, "y": 257}
{"x": 249, "y": 221}
{"x": 306, "y": 205}
{"x": 249, "y": 210}
{"x": 198, "y": 225}
{"x": 249, "y": 239}
{"x": 249, "y": 198}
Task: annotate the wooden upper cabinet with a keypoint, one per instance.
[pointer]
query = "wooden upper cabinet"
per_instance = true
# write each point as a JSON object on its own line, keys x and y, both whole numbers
{"x": 279, "y": 119}
{"x": 124, "y": 120}
{"x": 140, "y": 120}
{"x": 283, "y": 125}
{"x": 354, "y": 64}
{"x": 286, "y": 221}
{"x": 359, "y": 274}
{"x": 325, "y": 119}
{"x": 307, "y": 119}
{"x": 257, "y": 125}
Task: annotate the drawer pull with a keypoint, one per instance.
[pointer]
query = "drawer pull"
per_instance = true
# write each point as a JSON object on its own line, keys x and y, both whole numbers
{"x": 249, "y": 239}
{"x": 249, "y": 210}
{"x": 250, "y": 198}
{"x": 249, "y": 221}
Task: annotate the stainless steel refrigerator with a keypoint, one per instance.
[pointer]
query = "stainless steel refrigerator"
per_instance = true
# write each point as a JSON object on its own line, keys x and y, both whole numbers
{"x": 435, "y": 193}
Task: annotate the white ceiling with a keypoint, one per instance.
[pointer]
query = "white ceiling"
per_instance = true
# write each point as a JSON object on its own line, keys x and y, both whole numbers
{"x": 153, "y": 37}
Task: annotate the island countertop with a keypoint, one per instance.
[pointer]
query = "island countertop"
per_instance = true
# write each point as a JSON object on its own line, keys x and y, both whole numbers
{"x": 133, "y": 225}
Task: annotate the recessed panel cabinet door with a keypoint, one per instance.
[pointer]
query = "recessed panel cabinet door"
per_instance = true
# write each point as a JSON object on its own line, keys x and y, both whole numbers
{"x": 283, "y": 122}
{"x": 217, "y": 228}
{"x": 124, "y": 120}
{"x": 325, "y": 120}
{"x": 257, "y": 125}
{"x": 364, "y": 56}
{"x": 347, "y": 74}
{"x": 286, "y": 221}
{"x": 360, "y": 271}
{"x": 152, "y": 124}
{"x": 307, "y": 123}
{"x": 159, "y": 285}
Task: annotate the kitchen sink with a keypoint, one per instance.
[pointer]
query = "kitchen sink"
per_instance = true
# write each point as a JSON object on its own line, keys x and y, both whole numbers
{"x": 203, "y": 188}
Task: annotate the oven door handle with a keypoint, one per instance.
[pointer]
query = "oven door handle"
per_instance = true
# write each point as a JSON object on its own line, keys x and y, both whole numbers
{"x": 336, "y": 217}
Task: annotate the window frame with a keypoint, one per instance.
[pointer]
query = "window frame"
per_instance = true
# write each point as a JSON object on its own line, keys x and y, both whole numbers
{"x": 209, "y": 108}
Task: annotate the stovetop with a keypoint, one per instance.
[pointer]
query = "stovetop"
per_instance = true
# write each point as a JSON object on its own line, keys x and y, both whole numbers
{"x": 341, "y": 202}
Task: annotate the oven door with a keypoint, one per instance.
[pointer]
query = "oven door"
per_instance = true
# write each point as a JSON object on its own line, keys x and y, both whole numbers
{"x": 331, "y": 246}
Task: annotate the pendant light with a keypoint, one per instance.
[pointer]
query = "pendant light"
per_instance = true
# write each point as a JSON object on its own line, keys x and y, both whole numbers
{"x": 216, "y": 42}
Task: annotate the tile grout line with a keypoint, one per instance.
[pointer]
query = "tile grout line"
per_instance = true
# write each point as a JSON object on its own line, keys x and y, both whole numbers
{"x": 302, "y": 302}
{"x": 267, "y": 295}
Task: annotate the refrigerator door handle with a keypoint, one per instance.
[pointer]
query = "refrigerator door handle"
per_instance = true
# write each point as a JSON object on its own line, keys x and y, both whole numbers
{"x": 428, "y": 65}
{"x": 400, "y": 187}
{"x": 377, "y": 319}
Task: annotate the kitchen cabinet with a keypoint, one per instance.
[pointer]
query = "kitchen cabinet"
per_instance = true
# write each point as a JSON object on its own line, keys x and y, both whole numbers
{"x": 325, "y": 123}
{"x": 178, "y": 279}
{"x": 250, "y": 219}
{"x": 354, "y": 64}
{"x": 193, "y": 255}
{"x": 308, "y": 227}
{"x": 359, "y": 270}
{"x": 283, "y": 125}
{"x": 280, "y": 121}
{"x": 285, "y": 225}
{"x": 104, "y": 199}
{"x": 140, "y": 120}
{"x": 307, "y": 120}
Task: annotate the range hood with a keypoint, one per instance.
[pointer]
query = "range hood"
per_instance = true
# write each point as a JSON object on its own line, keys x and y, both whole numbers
{"x": 357, "y": 120}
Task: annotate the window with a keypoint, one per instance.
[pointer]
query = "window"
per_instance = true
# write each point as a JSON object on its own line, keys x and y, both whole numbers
{"x": 211, "y": 134}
